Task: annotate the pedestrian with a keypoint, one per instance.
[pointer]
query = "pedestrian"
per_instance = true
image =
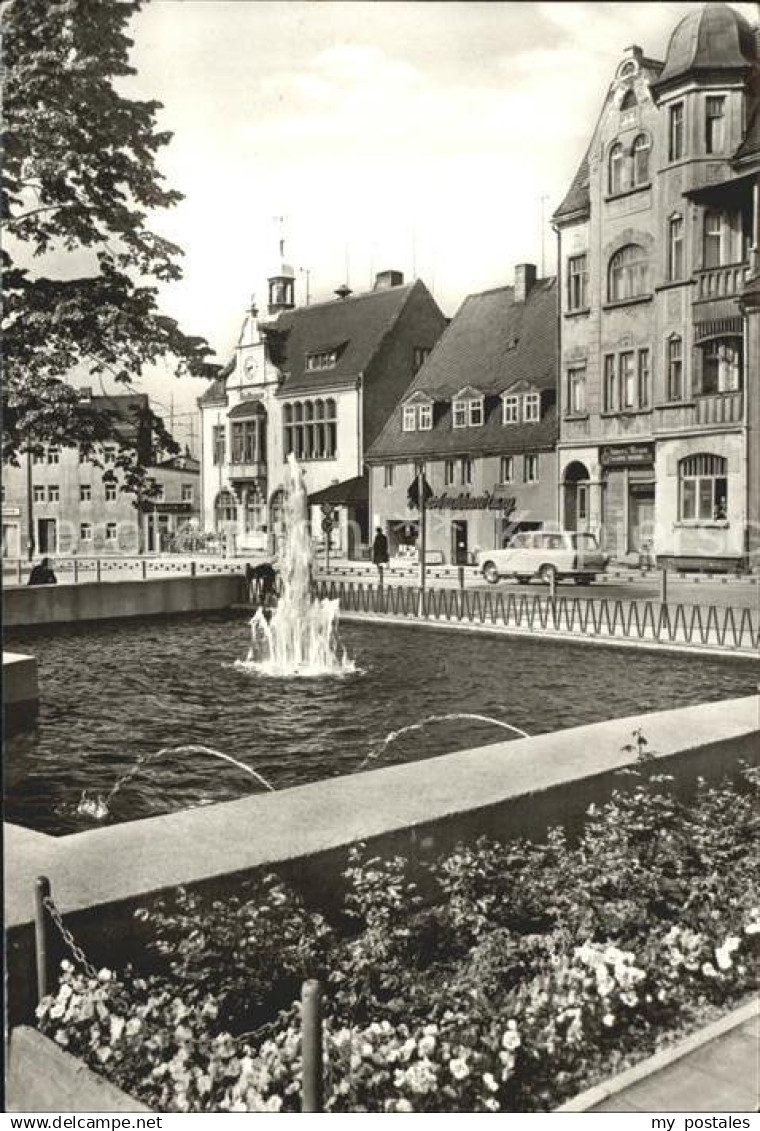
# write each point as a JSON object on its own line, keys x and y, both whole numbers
{"x": 42, "y": 574}
{"x": 380, "y": 552}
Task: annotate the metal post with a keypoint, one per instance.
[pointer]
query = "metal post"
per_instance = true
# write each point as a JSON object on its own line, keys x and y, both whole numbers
{"x": 193, "y": 569}
{"x": 29, "y": 507}
{"x": 552, "y": 586}
{"x": 97, "y": 569}
{"x": 423, "y": 532}
{"x": 663, "y": 586}
{"x": 311, "y": 1046}
{"x": 18, "y": 568}
{"x": 42, "y": 936}
{"x": 76, "y": 571}
{"x": 144, "y": 569}
{"x": 461, "y": 576}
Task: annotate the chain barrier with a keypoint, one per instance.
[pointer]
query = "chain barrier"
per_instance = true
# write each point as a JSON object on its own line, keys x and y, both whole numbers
{"x": 68, "y": 938}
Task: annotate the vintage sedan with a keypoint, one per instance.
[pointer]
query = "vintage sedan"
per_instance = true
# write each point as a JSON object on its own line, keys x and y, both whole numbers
{"x": 547, "y": 555}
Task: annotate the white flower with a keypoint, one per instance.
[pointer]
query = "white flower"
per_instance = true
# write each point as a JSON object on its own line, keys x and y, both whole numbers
{"x": 709, "y": 970}
{"x": 491, "y": 1104}
{"x": 489, "y": 1082}
{"x": 403, "y": 1105}
{"x": 427, "y": 1045}
{"x": 104, "y": 975}
{"x": 459, "y": 1068}
{"x": 608, "y": 1020}
{"x": 723, "y": 953}
{"x": 511, "y": 1040}
{"x": 117, "y": 1028}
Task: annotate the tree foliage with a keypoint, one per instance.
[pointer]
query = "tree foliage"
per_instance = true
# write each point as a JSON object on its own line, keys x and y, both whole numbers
{"x": 80, "y": 179}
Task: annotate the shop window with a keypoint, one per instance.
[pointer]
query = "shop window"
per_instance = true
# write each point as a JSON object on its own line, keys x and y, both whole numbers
{"x": 531, "y": 407}
{"x": 675, "y": 369}
{"x": 448, "y": 472}
{"x": 576, "y": 390}
{"x": 722, "y": 365}
{"x": 676, "y": 132}
{"x": 510, "y": 410}
{"x": 577, "y": 282}
{"x": 388, "y": 475}
{"x": 85, "y": 493}
{"x": 715, "y": 111}
{"x": 628, "y": 275}
{"x": 465, "y": 470}
{"x": 703, "y": 489}
{"x": 675, "y": 249}
{"x": 506, "y": 469}
{"x": 640, "y": 160}
{"x": 530, "y": 469}
{"x": 616, "y": 168}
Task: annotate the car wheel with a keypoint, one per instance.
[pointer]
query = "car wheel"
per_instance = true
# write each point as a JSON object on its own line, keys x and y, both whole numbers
{"x": 490, "y": 573}
{"x": 548, "y": 574}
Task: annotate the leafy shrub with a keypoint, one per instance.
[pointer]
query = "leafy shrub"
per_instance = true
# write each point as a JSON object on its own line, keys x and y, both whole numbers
{"x": 501, "y": 977}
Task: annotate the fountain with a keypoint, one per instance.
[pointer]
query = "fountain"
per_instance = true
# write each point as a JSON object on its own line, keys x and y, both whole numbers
{"x": 301, "y": 634}
{"x": 98, "y": 807}
{"x": 377, "y": 754}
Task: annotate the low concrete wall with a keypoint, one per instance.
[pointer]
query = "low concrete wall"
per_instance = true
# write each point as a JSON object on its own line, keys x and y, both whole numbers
{"x": 64, "y": 604}
{"x": 43, "y": 1077}
{"x": 506, "y": 790}
{"x": 21, "y": 697}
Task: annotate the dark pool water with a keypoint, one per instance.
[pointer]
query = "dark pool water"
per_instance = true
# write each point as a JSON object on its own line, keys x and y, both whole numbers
{"x": 111, "y": 693}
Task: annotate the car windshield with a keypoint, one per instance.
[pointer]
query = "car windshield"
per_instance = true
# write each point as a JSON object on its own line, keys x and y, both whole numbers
{"x": 585, "y": 542}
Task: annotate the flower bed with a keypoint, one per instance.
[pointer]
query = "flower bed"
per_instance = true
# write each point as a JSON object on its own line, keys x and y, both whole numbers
{"x": 502, "y": 977}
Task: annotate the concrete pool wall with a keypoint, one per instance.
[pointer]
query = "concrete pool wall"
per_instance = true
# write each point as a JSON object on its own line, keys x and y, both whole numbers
{"x": 21, "y": 693}
{"x": 511, "y": 789}
{"x": 95, "y": 601}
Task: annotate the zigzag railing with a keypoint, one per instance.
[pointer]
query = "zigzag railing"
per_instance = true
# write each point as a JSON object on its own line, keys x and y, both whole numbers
{"x": 600, "y": 618}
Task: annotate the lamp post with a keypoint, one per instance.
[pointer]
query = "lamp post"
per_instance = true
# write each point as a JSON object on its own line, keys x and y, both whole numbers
{"x": 29, "y": 510}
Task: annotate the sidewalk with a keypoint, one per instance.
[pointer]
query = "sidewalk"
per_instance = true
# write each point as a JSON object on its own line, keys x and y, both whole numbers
{"x": 716, "y": 1069}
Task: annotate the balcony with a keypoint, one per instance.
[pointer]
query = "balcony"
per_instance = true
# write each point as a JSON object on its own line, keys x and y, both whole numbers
{"x": 721, "y": 282}
{"x": 703, "y": 412}
{"x": 238, "y": 469}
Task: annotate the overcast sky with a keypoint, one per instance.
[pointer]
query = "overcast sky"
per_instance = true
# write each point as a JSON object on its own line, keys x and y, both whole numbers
{"x": 419, "y": 136}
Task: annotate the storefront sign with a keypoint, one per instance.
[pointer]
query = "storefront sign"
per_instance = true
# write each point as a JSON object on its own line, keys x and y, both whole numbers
{"x": 487, "y": 502}
{"x": 627, "y": 455}
{"x": 11, "y": 512}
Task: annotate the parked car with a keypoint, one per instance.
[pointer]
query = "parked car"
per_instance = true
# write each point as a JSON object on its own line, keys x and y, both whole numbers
{"x": 548, "y": 555}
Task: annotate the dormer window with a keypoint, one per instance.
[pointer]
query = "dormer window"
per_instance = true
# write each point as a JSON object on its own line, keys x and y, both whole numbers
{"x": 511, "y": 410}
{"x": 325, "y": 359}
{"x": 531, "y": 408}
{"x": 425, "y": 417}
{"x": 467, "y": 409}
{"x": 409, "y": 423}
{"x": 417, "y": 414}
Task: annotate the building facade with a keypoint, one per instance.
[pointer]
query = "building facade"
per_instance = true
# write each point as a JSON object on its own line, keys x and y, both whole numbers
{"x": 58, "y": 501}
{"x": 171, "y": 519}
{"x": 657, "y": 239}
{"x": 318, "y": 381}
{"x": 480, "y": 421}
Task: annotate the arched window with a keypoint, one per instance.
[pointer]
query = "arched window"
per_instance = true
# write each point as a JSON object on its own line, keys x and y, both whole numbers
{"x": 703, "y": 488}
{"x": 319, "y": 410}
{"x": 629, "y": 100}
{"x": 616, "y": 167}
{"x": 640, "y": 157}
{"x": 287, "y": 414}
{"x": 628, "y": 275}
{"x": 297, "y": 412}
{"x": 225, "y": 509}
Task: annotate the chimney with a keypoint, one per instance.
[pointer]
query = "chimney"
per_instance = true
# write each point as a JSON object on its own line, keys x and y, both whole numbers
{"x": 384, "y": 280}
{"x": 525, "y": 280}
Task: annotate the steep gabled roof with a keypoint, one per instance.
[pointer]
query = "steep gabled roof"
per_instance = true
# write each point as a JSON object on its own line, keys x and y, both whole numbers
{"x": 492, "y": 342}
{"x": 749, "y": 150}
{"x": 577, "y": 199}
{"x": 355, "y": 326}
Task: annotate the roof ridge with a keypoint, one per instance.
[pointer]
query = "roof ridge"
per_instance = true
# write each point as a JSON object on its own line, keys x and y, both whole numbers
{"x": 349, "y": 299}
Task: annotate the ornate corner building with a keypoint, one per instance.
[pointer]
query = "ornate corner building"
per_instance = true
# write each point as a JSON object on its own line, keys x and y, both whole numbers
{"x": 659, "y": 382}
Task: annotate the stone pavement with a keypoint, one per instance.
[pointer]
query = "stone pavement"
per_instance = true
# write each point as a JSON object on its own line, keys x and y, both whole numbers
{"x": 715, "y": 1070}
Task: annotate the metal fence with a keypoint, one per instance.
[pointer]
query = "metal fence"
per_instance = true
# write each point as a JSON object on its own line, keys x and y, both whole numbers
{"x": 699, "y": 626}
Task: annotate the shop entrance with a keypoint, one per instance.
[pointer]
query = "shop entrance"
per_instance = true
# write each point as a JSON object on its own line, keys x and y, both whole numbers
{"x": 640, "y": 517}
{"x": 576, "y": 496}
{"x": 458, "y": 542}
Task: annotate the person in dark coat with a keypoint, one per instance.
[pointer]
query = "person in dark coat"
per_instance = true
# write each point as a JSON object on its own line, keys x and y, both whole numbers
{"x": 42, "y": 574}
{"x": 265, "y": 577}
{"x": 380, "y": 552}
